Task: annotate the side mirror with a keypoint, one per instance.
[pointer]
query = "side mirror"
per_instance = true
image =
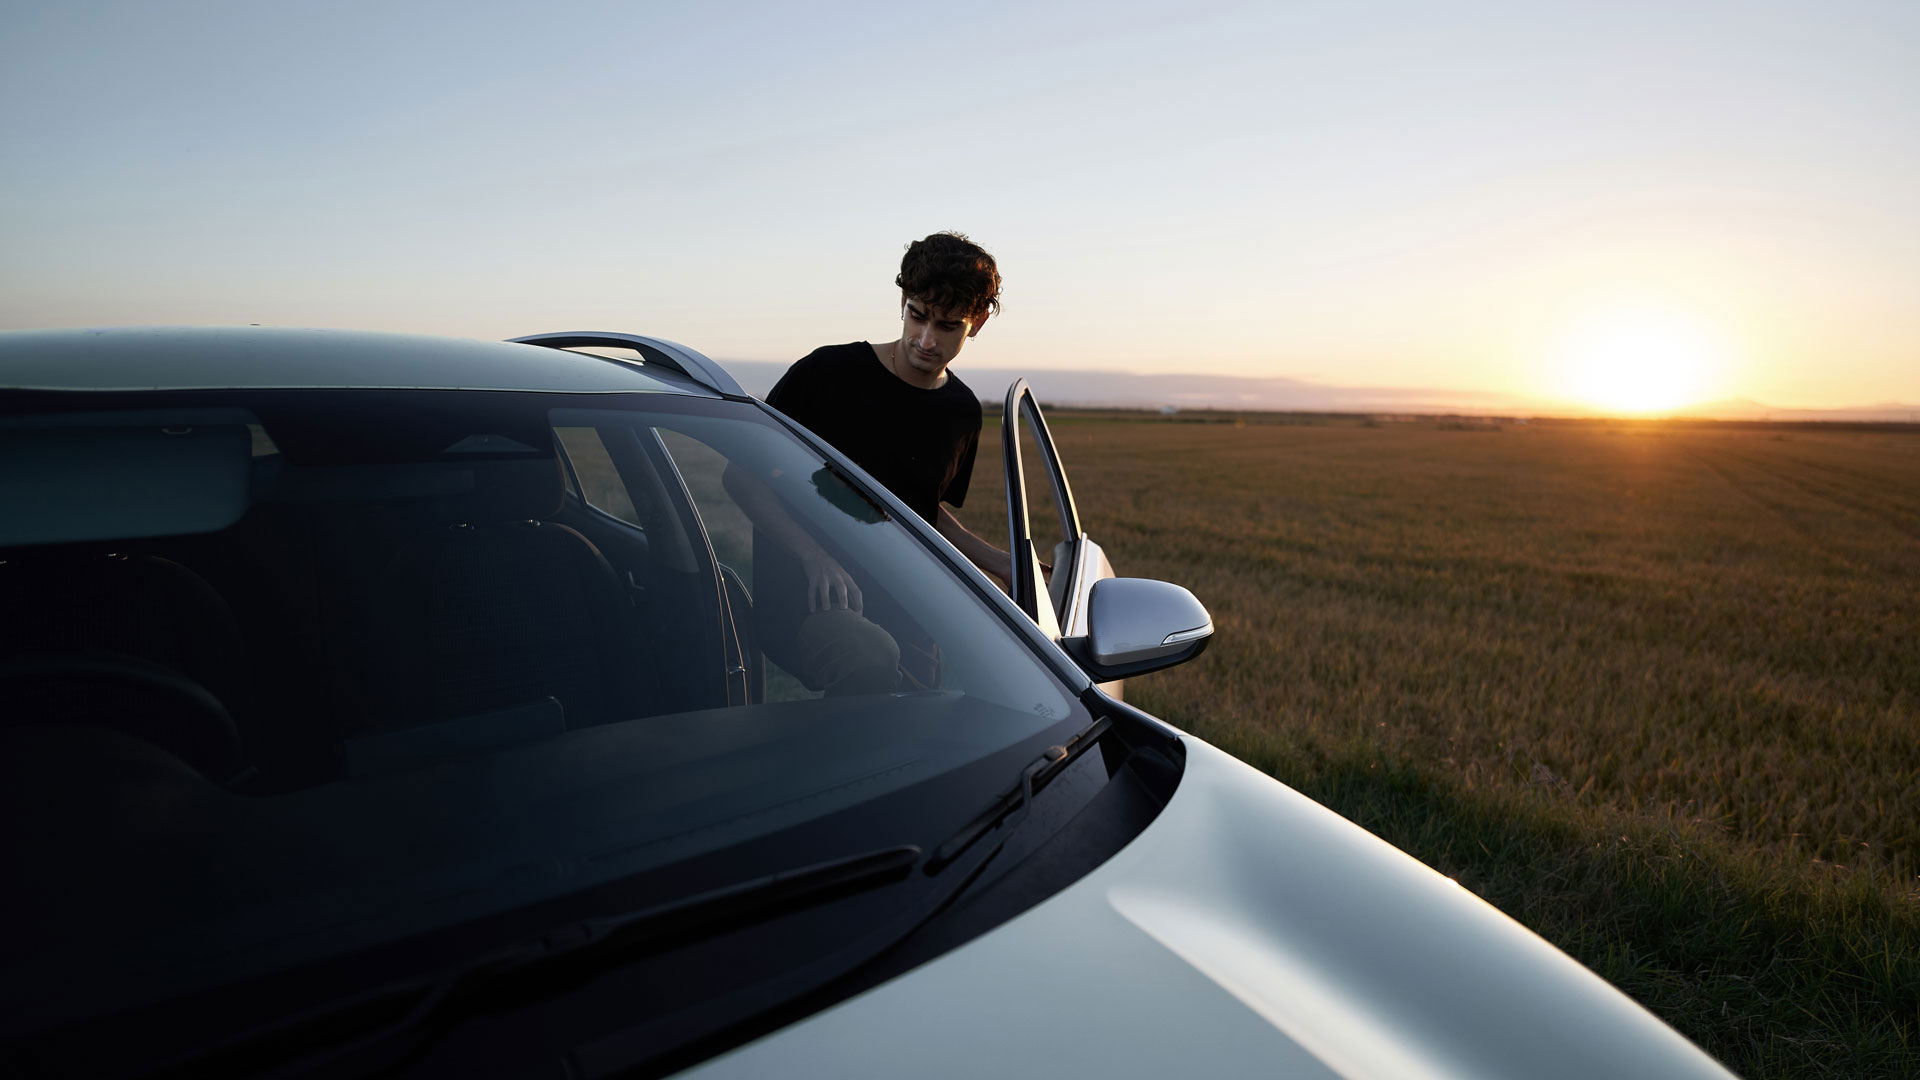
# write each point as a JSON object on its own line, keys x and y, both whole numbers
{"x": 1137, "y": 625}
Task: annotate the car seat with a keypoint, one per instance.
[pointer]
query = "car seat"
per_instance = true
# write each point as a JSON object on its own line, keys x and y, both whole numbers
{"x": 485, "y": 605}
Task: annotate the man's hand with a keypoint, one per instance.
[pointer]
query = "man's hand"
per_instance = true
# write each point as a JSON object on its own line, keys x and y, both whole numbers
{"x": 828, "y": 585}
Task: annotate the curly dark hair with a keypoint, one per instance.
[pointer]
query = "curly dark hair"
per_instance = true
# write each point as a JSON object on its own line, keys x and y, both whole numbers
{"x": 952, "y": 273}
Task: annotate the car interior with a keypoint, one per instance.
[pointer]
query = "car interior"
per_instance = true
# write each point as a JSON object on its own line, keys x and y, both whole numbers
{"x": 396, "y": 576}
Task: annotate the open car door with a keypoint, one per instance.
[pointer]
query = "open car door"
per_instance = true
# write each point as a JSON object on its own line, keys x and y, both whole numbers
{"x": 1114, "y": 627}
{"x": 1058, "y": 604}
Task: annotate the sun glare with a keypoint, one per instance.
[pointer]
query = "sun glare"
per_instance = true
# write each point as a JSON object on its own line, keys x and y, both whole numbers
{"x": 1639, "y": 361}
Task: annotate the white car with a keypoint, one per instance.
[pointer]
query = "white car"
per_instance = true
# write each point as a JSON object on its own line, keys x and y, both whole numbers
{"x": 378, "y": 704}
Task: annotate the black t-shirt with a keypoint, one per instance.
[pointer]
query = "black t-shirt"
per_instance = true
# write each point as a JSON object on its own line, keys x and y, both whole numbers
{"x": 919, "y": 443}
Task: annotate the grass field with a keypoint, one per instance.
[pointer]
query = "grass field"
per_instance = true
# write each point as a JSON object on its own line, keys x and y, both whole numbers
{"x": 1653, "y": 690}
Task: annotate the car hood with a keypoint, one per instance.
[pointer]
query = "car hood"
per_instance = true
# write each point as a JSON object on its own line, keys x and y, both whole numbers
{"x": 1247, "y": 931}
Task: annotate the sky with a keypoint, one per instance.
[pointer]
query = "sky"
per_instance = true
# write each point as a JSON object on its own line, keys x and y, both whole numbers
{"x": 1632, "y": 205}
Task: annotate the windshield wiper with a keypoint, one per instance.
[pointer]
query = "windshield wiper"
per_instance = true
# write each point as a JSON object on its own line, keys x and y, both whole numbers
{"x": 397, "y": 1017}
{"x": 384, "y": 1025}
{"x": 665, "y": 1044}
{"x": 1051, "y": 762}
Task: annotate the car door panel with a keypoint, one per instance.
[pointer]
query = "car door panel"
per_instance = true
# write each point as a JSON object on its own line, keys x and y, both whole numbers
{"x": 1060, "y": 608}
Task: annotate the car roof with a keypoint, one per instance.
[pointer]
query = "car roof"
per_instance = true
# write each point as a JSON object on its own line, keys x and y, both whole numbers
{"x": 254, "y": 357}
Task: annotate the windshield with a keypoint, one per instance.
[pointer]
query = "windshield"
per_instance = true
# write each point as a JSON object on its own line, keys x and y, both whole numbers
{"x": 298, "y": 673}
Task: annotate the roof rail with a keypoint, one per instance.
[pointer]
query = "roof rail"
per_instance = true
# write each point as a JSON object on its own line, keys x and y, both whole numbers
{"x": 651, "y": 349}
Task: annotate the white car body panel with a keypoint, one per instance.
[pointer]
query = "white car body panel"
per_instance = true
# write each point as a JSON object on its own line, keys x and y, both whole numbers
{"x": 1249, "y": 931}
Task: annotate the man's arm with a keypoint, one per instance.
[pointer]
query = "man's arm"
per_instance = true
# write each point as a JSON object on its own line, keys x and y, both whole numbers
{"x": 828, "y": 584}
{"x": 984, "y": 555}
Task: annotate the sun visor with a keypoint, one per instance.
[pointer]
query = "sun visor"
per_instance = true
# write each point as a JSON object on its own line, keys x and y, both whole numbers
{"x": 66, "y": 485}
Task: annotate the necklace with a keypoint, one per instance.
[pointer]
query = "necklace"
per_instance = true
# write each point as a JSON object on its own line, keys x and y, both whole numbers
{"x": 893, "y": 365}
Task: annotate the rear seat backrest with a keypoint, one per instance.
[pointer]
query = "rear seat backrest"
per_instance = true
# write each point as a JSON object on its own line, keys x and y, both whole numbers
{"x": 464, "y": 600}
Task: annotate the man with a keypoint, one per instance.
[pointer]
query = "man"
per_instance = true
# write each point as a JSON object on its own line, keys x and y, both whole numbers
{"x": 896, "y": 410}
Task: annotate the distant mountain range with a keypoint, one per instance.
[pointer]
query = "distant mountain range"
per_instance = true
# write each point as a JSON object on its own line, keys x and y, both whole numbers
{"x": 1746, "y": 409}
{"x": 1126, "y": 390}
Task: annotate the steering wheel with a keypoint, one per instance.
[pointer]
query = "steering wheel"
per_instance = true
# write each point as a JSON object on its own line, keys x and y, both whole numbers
{"x": 147, "y": 700}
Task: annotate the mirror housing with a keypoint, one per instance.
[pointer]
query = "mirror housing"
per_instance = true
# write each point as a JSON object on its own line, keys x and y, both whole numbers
{"x": 1137, "y": 625}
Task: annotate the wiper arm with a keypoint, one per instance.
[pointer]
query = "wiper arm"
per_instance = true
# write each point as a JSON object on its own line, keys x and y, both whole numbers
{"x": 541, "y": 966}
{"x": 736, "y": 905}
{"x": 1051, "y": 762}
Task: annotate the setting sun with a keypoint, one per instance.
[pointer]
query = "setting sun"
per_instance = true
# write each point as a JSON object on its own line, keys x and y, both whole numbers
{"x": 1639, "y": 360}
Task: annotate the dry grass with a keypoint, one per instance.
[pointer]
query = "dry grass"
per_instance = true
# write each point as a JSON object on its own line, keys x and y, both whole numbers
{"x": 1642, "y": 685}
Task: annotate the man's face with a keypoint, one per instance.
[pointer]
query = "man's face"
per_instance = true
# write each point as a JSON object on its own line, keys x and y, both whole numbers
{"x": 932, "y": 337}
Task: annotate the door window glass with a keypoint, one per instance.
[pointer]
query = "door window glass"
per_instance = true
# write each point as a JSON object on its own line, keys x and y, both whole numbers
{"x": 703, "y": 470}
{"x": 730, "y": 532}
{"x": 598, "y": 483}
{"x": 1043, "y": 511}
